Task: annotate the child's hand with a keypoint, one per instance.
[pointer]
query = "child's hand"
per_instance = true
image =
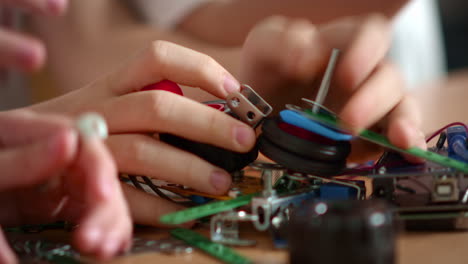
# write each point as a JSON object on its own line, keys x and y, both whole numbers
{"x": 134, "y": 116}
{"x": 21, "y": 51}
{"x": 50, "y": 173}
{"x": 284, "y": 59}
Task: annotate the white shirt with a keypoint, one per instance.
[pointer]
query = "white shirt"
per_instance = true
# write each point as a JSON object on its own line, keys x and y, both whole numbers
{"x": 418, "y": 44}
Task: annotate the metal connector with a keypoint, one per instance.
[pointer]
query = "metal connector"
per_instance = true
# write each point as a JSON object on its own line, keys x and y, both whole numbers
{"x": 248, "y": 106}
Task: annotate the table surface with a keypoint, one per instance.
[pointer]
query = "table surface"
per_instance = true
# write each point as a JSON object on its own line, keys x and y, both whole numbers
{"x": 435, "y": 247}
{"x": 412, "y": 248}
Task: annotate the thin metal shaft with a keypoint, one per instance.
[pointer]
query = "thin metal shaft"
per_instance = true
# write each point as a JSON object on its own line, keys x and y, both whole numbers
{"x": 325, "y": 85}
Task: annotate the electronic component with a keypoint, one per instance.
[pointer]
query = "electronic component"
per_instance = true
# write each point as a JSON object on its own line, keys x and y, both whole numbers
{"x": 457, "y": 140}
{"x": 333, "y": 191}
{"x": 383, "y": 141}
{"x": 445, "y": 189}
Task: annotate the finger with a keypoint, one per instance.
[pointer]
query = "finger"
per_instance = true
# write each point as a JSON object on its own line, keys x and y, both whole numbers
{"x": 363, "y": 151}
{"x": 364, "y": 42}
{"x": 104, "y": 233}
{"x": 299, "y": 50}
{"x": 161, "y": 111}
{"x": 23, "y": 127}
{"x": 374, "y": 99}
{"x": 106, "y": 225}
{"x": 6, "y": 254}
{"x": 20, "y": 51}
{"x": 165, "y": 60}
{"x": 52, "y": 7}
{"x": 404, "y": 127}
{"x": 38, "y": 161}
{"x": 143, "y": 155}
{"x": 146, "y": 209}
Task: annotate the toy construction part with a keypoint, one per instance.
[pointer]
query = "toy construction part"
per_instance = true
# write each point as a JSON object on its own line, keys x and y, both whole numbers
{"x": 266, "y": 166}
{"x": 223, "y": 158}
{"x": 384, "y": 142}
{"x": 194, "y": 213}
{"x": 297, "y": 119}
{"x": 354, "y": 232}
{"x": 297, "y": 163}
{"x": 248, "y": 106}
{"x": 303, "y": 150}
{"x": 245, "y": 105}
{"x": 318, "y": 149}
{"x": 326, "y": 80}
{"x": 92, "y": 125}
{"x": 223, "y": 253}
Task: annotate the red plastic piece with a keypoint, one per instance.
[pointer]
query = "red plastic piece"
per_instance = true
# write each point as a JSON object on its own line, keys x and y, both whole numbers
{"x": 164, "y": 85}
{"x": 219, "y": 107}
{"x": 304, "y": 134}
{"x": 173, "y": 87}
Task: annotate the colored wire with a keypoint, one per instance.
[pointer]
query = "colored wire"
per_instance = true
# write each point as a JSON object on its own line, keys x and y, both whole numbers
{"x": 156, "y": 189}
{"x": 445, "y": 127}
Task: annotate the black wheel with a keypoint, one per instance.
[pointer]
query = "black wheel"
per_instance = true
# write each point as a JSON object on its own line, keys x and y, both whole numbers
{"x": 330, "y": 151}
{"x": 223, "y": 158}
{"x": 297, "y": 163}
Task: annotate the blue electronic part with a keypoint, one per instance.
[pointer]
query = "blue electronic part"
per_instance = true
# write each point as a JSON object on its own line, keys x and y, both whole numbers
{"x": 334, "y": 191}
{"x": 296, "y": 119}
{"x": 457, "y": 143}
{"x": 200, "y": 199}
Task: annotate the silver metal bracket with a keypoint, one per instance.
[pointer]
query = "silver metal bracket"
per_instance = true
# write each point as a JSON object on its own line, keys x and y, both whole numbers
{"x": 224, "y": 228}
{"x": 248, "y": 106}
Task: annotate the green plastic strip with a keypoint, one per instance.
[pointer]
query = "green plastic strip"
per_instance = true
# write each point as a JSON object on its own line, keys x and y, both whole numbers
{"x": 197, "y": 212}
{"x": 216, "y": 250}
{"x": 383, "y": 141}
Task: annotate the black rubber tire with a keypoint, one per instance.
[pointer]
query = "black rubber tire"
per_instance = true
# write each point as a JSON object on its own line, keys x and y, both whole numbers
{"x": 223, "y": 158}
{"x": 297, "y": 163}
{"x": 304, "y": 148}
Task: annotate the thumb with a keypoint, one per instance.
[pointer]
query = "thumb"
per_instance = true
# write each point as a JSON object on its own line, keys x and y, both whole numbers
{"x": 35, "y": 162}
{"x": 6, "y": 254}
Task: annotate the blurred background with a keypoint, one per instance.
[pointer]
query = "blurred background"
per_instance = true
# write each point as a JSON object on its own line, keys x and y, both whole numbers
{"x": 15, "y": 91}
{"x": 454, "y": 14}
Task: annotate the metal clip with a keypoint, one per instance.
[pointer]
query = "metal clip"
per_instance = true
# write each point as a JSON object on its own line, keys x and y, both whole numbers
{"x": 248, "y": 106}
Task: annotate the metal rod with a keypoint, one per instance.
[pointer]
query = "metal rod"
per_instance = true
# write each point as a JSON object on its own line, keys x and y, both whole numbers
{"x": 325, "y": 85}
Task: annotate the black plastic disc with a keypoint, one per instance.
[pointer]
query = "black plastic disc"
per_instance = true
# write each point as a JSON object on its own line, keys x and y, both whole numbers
{"x": 297, "y": 163}
{"x": 302, "y": 147}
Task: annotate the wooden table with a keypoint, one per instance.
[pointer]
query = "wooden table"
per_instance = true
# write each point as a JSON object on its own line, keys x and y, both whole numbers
{"x": 412, "y": 248}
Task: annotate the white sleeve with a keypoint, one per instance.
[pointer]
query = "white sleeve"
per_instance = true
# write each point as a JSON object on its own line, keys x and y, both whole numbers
{"x": 418, "y": 47}
{"x": 167, "y": 14}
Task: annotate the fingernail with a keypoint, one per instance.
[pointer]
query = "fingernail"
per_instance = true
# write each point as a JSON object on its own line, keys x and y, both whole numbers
{"x": 56, "y": 6}
{"x": 220, "y": 181}
{"x": 245, "y": 136}
{"x": 230, "y": 84}
{"x": 30, "y": 57}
